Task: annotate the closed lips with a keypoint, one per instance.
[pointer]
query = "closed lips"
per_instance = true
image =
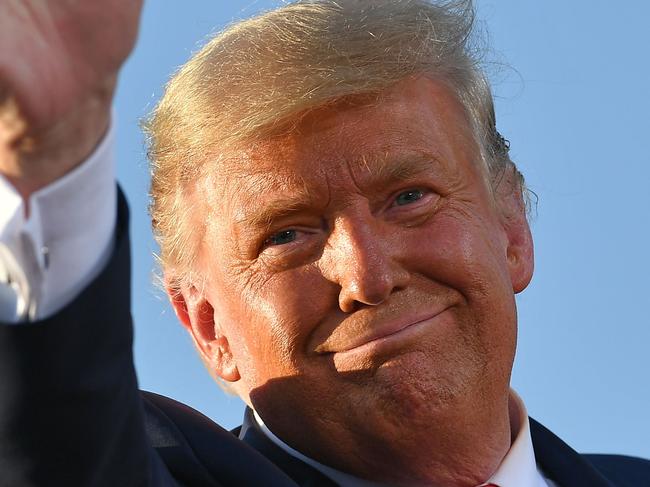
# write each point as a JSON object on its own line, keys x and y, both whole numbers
{"x": 377, "y": 332}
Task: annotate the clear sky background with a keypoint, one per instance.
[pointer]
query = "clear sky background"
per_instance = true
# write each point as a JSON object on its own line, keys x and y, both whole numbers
{"x": 571, "y": 80}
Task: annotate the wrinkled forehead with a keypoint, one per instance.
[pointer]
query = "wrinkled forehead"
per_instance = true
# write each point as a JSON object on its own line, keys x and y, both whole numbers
{"x": 416, "y": 123}
{"x": 323, "y": 179}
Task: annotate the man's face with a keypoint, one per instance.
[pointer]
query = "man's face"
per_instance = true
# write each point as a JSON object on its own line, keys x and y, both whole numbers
{"x": 360, "y": 276}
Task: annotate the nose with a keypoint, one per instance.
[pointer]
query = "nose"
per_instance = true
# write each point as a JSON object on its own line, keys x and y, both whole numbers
{"x": 363, "y": 260}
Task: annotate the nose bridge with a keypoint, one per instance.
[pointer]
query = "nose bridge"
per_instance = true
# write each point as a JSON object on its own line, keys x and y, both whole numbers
{"x": 361, "y": 261}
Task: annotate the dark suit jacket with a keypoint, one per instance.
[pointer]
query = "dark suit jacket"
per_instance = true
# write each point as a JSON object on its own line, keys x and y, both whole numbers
{"x": 71, "y": 413}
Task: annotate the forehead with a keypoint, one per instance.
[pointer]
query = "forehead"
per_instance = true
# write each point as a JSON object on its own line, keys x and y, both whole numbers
{"x": 416, "y": 123}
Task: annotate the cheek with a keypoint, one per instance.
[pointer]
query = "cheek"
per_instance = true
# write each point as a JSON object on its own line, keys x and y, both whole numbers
{"x": 462, "y": 251}
{"x": 467, "y": 254}
{"x": 280, "y": 314}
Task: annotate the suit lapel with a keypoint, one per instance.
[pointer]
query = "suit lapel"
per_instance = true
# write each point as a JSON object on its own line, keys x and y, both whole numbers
{"x": 562, "y": 463}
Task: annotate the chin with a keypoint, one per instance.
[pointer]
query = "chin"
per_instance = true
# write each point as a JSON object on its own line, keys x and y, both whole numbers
{"x": 416, "y": 389}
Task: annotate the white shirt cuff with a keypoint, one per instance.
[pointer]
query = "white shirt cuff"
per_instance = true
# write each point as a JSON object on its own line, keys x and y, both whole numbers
{"x": 46, "y": 260}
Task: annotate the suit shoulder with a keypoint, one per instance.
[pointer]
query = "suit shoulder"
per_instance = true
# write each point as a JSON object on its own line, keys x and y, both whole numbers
{"x": 197, "y": 451}
{"x": 621, "y": 470}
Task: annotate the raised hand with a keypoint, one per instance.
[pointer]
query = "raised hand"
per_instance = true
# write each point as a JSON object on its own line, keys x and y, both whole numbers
{"x": 59, "y": 61}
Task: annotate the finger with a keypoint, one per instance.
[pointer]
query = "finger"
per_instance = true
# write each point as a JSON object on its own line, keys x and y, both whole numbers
{"x": 13, "y": 126}
{"x": 4, "y": 93}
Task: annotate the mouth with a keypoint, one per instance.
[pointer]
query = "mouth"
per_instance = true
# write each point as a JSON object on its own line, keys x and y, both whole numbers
{"x": 389, "y": 334}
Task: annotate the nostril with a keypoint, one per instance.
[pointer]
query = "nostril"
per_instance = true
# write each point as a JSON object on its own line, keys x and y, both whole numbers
{"x": 377, "y": 297}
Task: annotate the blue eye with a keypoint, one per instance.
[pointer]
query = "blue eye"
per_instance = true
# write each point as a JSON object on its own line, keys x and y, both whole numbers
{"x": 281, "y": 238}
{"x": 408, "y": 197}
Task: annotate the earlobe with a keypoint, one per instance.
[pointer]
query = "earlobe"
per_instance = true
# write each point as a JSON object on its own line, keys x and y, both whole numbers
{"x": 196, "y": 314}
{"x": 224, "y": 364}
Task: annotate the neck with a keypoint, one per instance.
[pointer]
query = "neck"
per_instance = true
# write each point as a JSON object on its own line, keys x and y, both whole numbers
{"x": 432, "y": 453}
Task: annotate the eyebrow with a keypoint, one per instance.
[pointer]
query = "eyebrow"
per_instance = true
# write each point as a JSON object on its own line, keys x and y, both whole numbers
{"x": 264, "y": 214}
{"x": 402, "y": 168}
{"x": 274, "y": 210}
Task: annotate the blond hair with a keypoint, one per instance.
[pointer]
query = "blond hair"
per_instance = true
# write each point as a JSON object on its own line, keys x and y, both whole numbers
{"x": 259, "y": 74}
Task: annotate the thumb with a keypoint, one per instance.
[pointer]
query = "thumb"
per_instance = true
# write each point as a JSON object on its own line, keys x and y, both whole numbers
{"x": 13, "y": 126}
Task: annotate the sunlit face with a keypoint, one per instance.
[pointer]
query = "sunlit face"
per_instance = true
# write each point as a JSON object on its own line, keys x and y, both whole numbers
{"x": 361, "y": 277}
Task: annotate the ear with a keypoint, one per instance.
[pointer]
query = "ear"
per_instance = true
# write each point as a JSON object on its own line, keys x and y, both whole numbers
{"x": 196, "y": 314}
{"x": 519, "y": 252}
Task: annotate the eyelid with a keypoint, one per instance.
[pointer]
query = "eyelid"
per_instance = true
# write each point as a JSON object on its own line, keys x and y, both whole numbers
{"x": 301, "y": 232}
{"x": 419, "y": 191}
{"x": 266, "y": 241}
{"x": 422, "y": 189}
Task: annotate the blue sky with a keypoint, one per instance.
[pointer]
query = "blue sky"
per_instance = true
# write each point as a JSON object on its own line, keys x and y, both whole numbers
{"x": 571, "y": 82}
